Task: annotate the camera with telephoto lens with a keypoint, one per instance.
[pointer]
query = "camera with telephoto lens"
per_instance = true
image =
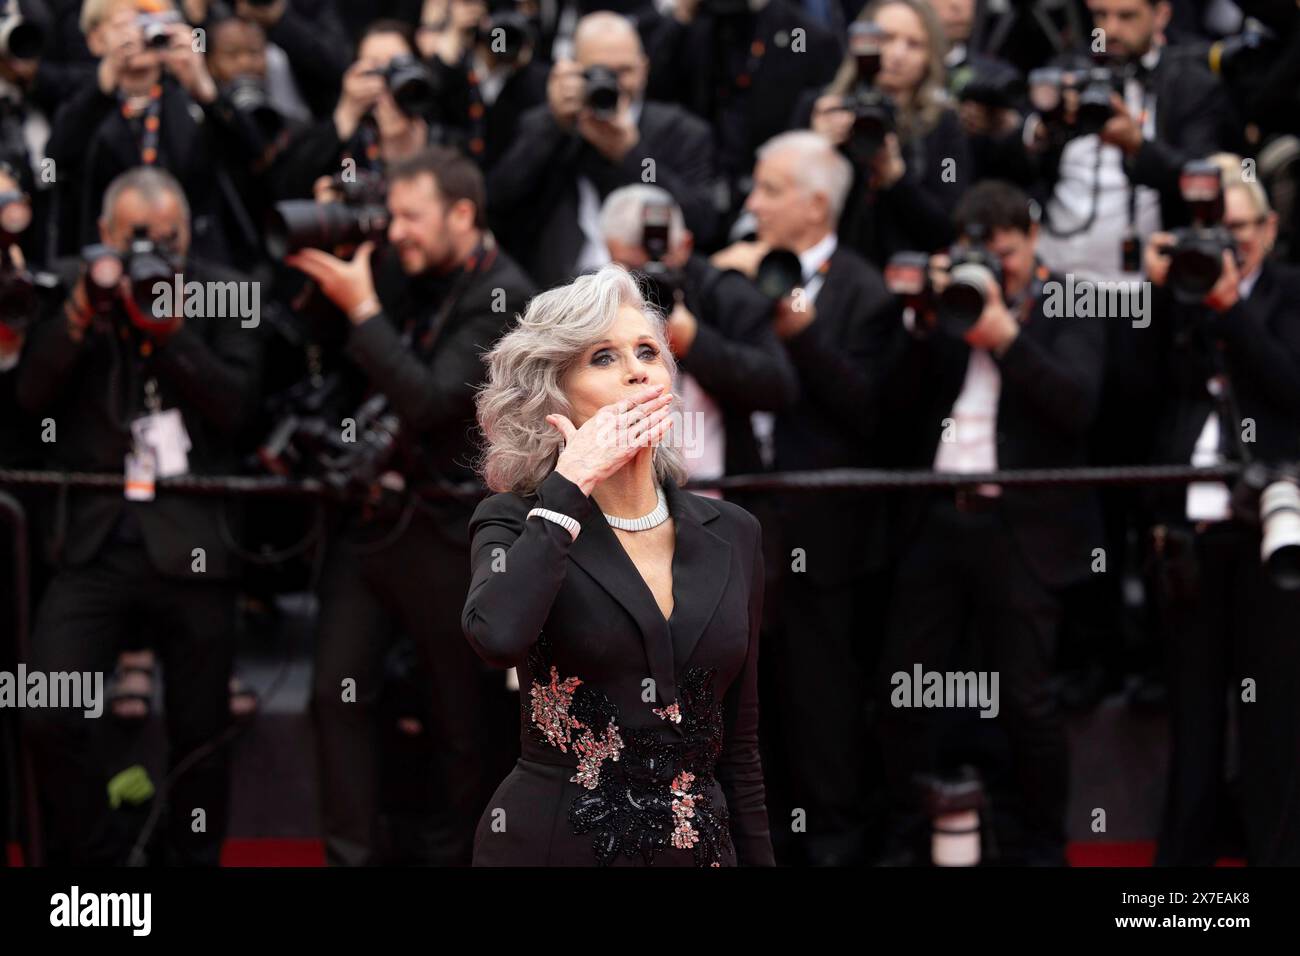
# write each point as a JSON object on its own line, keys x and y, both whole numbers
{"x": 601, "y": 93}
{"x": 1270, "y": 497}
{"x": 306, "y": 224}
{"x": 20, "y": 39}
{"x": 156, "y": 28}
{"x": 962, "y": 302}
{"x": 411, "y": 84}
{"x": 17, "y": 287}
{"x": 1196, "y": 254}
{"x": 779, "y": 273}
{"x": 663, "y": 282}
{"x": 506, "y": 35}
{"x": 249, "y": 96}
{"x": 144, "y": 265}
{"x": 971, "y": 267}
{"x": 873, "y": 110}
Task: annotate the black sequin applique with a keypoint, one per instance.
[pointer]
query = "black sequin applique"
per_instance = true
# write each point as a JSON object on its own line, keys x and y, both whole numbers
{"x": 641, "y": 794}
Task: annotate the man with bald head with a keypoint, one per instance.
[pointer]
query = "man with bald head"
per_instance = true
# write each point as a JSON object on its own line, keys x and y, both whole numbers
{"x": 544, "y": 196}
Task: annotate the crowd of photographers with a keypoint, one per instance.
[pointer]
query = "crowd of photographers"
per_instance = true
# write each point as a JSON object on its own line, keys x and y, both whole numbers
{"x": 275, "y": 237}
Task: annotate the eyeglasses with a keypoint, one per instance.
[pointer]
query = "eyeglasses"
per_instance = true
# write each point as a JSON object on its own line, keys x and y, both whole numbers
{"x": 1243, "y": 225}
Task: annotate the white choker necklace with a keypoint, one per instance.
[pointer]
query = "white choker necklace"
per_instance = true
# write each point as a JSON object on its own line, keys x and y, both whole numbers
{"x": 647, "y": 521}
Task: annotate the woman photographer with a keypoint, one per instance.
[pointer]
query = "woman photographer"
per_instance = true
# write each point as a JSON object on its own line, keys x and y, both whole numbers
{"x": 906, "y": 181}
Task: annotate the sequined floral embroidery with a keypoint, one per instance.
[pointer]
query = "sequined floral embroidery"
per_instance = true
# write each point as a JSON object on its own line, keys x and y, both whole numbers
{"x": 672, "y": 712}
{"x": 641, "y": 794}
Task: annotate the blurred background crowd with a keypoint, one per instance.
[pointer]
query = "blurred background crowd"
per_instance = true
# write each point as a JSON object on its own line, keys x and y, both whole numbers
{"x": 851, "y": 217}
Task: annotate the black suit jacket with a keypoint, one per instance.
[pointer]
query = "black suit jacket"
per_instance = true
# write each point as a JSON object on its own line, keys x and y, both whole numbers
{"x": 533, "y": 190}
{"x": 432, "y": 391}
{"x": 834, "y": 422}
{"x": 209, "y": 370}
{"x": 690, "y": 63}
{"x": 604, "y": 627}
{"x": 736, "y": 357}
{"x": 92, "y": 143}
{"x": 1050, "y": 384}
{"x": 1259, "y": 341}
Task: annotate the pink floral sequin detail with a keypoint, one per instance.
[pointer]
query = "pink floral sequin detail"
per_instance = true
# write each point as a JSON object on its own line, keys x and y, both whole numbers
{"x": 673, "y": 713}
{"x": 551, "y": 709}
{"x": 551, "y": 713}
{"x": 684, "y": 835}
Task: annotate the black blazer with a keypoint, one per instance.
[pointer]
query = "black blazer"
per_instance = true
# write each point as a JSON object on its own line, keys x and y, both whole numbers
{"x": 834, "y": 423}
{"x": 533, "y": 189}
{"x": 681, "y": 694}
{"x": 736, "y": 357}
{"x": 1051, "y": 380}
{"x": 209, "y": 370}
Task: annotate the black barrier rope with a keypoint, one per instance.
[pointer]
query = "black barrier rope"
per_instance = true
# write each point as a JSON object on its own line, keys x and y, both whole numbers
{"x": 848, "y": 479}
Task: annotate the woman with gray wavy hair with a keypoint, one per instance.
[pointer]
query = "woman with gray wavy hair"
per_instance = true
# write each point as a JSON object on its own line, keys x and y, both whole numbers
{"x": 633, "y": 606}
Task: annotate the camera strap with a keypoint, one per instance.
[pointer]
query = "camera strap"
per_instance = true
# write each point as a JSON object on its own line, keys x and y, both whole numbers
{"x": 480, "y": 260}
{"x": 150, "y": 125}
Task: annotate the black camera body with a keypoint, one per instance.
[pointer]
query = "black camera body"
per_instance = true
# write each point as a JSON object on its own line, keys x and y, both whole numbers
{"x": 143, "y": 265}
{"x": 412, "y": 85}
{"x": 958, "y": 307}
{"x": 601, "y": 93}
{"x": 1094, "y": 86}
{"x": 1196, "y": 254}
{"x": 248, "y": 95}
{"x": 308, "y": 442}
{"x": 306, "y": 224}
{"x": 873, "y": 120}
{"x": 157, "y": 28}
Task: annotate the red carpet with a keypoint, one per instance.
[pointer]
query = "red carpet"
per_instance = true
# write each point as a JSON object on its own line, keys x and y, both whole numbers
{"x": 273, "y": 852}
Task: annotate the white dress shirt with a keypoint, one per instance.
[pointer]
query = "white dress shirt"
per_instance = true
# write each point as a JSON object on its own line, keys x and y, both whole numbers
{"x": 1095, "y": 253}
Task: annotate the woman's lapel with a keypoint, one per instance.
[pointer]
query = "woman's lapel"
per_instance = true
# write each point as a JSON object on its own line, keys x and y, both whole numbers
{"x": 701, "y": 567}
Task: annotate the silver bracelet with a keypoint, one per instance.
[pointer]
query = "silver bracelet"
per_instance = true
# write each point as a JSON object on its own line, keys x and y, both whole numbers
{"x": 570, "y": 524}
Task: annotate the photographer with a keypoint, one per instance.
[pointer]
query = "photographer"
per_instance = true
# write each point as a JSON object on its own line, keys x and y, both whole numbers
{"x": 886, "y": 110}
{"x": 985, "y": 380}
{"x": 309, "y": 48}
{"x": 1228, "y": 618}
{"x": 833, "y": 327}
{"x": 735, "y": 65}
{"x": 488, "y": 71}
{"x": 384, "y": 115}
{"x": 596, "y": 132}
{"x": 150, "y": 86}
{"x": 125, "y": 379}
{"x": 719, "y": 327}
{"x": 408, "y": 565}
{"x": 1108, "y": 149}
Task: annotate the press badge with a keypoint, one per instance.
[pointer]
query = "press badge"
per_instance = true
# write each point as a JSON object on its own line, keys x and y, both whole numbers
{"x": 164, "y": 434}
{"x": 141, "y": 469}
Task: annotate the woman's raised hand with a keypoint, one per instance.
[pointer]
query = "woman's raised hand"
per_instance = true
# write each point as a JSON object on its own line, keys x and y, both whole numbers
{"x": 612, "y": 437}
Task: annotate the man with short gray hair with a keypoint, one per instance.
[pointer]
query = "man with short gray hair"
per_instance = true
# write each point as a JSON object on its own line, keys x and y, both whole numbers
{"x": 834, "y": 326}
